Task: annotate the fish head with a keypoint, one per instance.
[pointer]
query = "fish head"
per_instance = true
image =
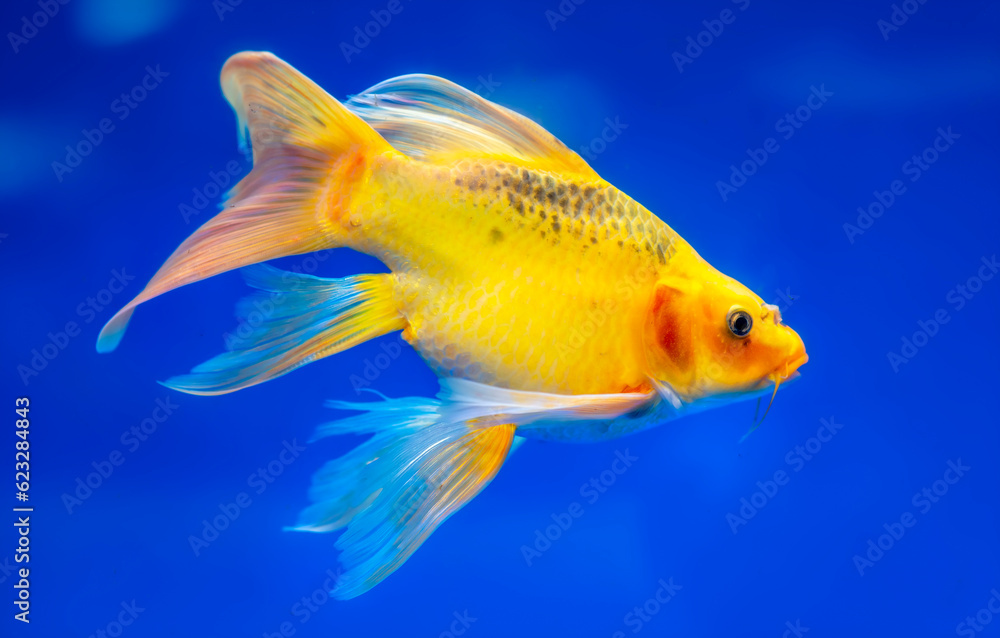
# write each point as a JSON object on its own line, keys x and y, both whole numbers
{"x": 707, "y": 335}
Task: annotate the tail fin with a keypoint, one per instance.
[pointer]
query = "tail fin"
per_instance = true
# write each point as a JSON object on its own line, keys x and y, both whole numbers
{"x": 425, "y": 461}
{"x": 308, "y": 152}
{"x": 299, "y": 319}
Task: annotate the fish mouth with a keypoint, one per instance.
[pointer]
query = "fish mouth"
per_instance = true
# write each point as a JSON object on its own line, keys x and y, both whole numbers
{"x": 789, "y": 369}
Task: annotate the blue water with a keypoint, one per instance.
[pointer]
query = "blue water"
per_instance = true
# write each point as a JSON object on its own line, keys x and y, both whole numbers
{"x": 862, "y": 105}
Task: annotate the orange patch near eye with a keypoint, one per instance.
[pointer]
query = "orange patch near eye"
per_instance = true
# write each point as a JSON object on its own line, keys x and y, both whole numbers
{"x": 670, "y": 333}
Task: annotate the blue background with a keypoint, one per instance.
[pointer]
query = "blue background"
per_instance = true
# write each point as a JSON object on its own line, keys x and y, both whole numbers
{"x": 666, "y": 516}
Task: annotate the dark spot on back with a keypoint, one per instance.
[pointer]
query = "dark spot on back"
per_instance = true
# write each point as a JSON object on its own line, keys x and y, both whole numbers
{"x": 556, "y": 226}
{"x": 496, "y": 236}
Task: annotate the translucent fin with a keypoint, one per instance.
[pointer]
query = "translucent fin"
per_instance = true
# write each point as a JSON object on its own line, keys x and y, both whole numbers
{"x": 300, "y": 318}
{"x": 308, "y": 151}
{"x": 516, "y": 445}
{"x": 431, "y": 119}
{"x": 395, "y": 489}
{"x": 427, "y": 459}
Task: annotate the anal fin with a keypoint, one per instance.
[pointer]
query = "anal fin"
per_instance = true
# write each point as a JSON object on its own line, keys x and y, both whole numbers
{"x": 393, "y": 491}
{"x": 425, "y": 460}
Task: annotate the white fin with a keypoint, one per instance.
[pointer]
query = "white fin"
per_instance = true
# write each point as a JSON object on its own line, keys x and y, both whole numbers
{"x": 426, "y": 460}
{"x": 429, "y": 118}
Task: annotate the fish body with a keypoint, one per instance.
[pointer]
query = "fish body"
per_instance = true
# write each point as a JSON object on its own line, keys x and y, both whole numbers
{"x": 550, "y": 304}
{"x": 517, "y": 277}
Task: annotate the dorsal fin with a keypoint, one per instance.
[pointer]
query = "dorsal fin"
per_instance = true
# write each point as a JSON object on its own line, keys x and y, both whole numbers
{"x": 431, "y": 119}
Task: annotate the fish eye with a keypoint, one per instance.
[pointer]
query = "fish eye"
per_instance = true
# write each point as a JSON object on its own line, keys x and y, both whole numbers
{"x": 739, "y": 322}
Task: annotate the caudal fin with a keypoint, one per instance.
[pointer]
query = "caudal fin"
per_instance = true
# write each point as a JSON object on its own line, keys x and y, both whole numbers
{"x": 294, "y": 320}
{"x": 308, "y": 153}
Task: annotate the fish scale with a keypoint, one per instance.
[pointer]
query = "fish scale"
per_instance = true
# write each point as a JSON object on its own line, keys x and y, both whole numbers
{"x": 492, "y": 261}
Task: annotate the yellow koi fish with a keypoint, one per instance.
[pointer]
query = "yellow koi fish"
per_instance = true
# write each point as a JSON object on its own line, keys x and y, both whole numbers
{"x": 550, "y": 303}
